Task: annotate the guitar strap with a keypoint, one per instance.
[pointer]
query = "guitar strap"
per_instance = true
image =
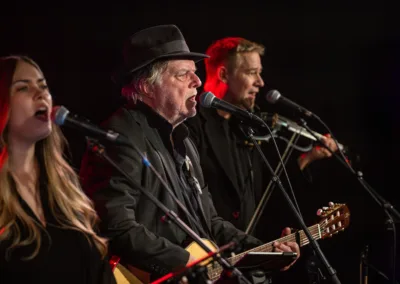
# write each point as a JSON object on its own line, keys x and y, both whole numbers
{"x": 195, "y": 185}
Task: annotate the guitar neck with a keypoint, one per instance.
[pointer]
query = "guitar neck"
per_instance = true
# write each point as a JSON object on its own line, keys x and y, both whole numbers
{"x": 214, "y": 273}
{"x": 268, "y": 247}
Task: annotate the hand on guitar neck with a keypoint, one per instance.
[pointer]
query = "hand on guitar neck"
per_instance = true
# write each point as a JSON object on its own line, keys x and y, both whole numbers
{"x": 287, "y": 246}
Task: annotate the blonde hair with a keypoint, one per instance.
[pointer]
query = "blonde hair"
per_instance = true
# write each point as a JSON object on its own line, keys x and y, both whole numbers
{"x": 67, "y": 202}
{"x": 225, "y": 51}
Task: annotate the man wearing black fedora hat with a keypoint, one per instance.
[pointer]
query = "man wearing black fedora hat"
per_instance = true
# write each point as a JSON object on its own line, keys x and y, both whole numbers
{"x": 158, "y": 78}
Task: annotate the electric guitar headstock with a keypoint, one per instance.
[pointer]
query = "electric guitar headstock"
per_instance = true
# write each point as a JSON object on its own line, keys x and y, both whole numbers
{"x": 335, "y": 219}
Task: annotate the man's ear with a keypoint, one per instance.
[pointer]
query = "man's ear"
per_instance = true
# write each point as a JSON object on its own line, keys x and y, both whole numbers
{"x": 146, "y": 89}
{"x": 223, "y": 74}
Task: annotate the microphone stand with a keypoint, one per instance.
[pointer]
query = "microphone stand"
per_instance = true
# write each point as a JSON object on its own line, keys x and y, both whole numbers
{"x": 312, "y": 268}
{"x": 332, "y": 273}
{"x": 376, "y": 270}
{"x": 364, "y": 266}
{"x": 388, "y": 208}
{"x": 270, "y": 188}
{"x": 99, "y": 149}
{"x": 375, "y": 195}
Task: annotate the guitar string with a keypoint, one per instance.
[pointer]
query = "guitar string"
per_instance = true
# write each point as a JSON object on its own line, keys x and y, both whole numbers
{"x": 314, "y": 230}
{"x": 216, "y": 272}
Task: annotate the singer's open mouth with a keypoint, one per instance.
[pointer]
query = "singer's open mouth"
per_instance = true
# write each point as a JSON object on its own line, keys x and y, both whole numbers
{"x": 42, "y": 114}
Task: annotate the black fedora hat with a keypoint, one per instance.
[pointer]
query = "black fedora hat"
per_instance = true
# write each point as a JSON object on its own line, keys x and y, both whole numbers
{"x": 150, "y": 45}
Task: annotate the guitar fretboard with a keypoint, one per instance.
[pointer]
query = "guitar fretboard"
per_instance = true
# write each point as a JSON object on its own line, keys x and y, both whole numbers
{"x": 215, "y": 270}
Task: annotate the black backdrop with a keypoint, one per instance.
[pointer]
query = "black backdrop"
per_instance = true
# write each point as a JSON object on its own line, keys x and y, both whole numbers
{"x": 340, "y": 62}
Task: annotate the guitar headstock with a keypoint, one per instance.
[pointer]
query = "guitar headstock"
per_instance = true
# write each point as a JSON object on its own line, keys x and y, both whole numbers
{"x": 335, "y": 218}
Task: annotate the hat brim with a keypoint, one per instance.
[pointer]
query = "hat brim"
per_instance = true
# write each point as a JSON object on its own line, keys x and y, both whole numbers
{"x": 122, "y": 74}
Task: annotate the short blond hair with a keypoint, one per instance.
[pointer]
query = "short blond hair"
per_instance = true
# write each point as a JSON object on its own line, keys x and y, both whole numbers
{"x": 225, "y": 51}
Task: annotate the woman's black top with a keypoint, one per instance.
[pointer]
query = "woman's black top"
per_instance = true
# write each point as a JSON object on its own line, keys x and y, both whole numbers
{"x": 65, "y": 255}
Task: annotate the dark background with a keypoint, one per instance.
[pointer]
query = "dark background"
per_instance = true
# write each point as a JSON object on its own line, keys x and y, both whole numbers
{"x": 341, "y": 62}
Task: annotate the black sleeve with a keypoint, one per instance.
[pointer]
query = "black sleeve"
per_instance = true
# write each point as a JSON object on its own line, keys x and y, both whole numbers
{"x": 116, "y": 201}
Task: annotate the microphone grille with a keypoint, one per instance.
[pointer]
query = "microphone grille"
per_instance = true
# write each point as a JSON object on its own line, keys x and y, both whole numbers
{"x": 273, "y": 96}
{"x": 206, "y": 99}
{"x": 59, "y": 114}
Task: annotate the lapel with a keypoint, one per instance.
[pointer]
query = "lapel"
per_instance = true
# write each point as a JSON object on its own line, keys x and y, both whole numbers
{"x": 169, "y": 166}
{"x": 218, "y": 141}
{"x": 162, "y": 152}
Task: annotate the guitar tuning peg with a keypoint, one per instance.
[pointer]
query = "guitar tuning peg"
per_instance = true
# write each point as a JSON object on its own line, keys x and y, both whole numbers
{"x": 331, "y": 204}
{"x": 325, "y": 208}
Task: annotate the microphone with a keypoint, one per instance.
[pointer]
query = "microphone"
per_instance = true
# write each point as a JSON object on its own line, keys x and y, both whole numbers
{"x": 274, "y": 96}
{"x": 62, "y": 116}
{"x": 294, "y": 127}
{"x": 209, "y": 100}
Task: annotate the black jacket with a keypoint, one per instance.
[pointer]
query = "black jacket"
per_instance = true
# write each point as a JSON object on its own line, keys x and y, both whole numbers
{"x": 217, "y": 147}
{"x": 234, "y": 203}
{"x": 132, "y": 222}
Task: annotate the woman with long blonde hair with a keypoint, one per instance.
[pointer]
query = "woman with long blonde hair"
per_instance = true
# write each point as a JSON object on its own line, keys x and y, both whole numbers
{"x": 47, "y": 223}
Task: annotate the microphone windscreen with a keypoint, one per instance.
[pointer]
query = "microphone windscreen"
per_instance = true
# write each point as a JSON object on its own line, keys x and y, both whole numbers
{"x": 59, "y": 114}
{"x": 272, "y": 96}
{"x": 206, "y": 99}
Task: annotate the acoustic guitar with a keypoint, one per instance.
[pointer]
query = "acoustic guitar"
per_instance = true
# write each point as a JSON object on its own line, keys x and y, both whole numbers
{"x": 334, "y": 219}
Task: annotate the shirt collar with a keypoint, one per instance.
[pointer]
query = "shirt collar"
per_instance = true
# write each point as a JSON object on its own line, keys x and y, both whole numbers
{"x": 155, "y": 120}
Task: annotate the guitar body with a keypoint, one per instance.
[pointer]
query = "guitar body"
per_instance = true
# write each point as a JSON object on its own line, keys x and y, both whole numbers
{"x": 197, "y": 251}
{"x": 127, "y": 274}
